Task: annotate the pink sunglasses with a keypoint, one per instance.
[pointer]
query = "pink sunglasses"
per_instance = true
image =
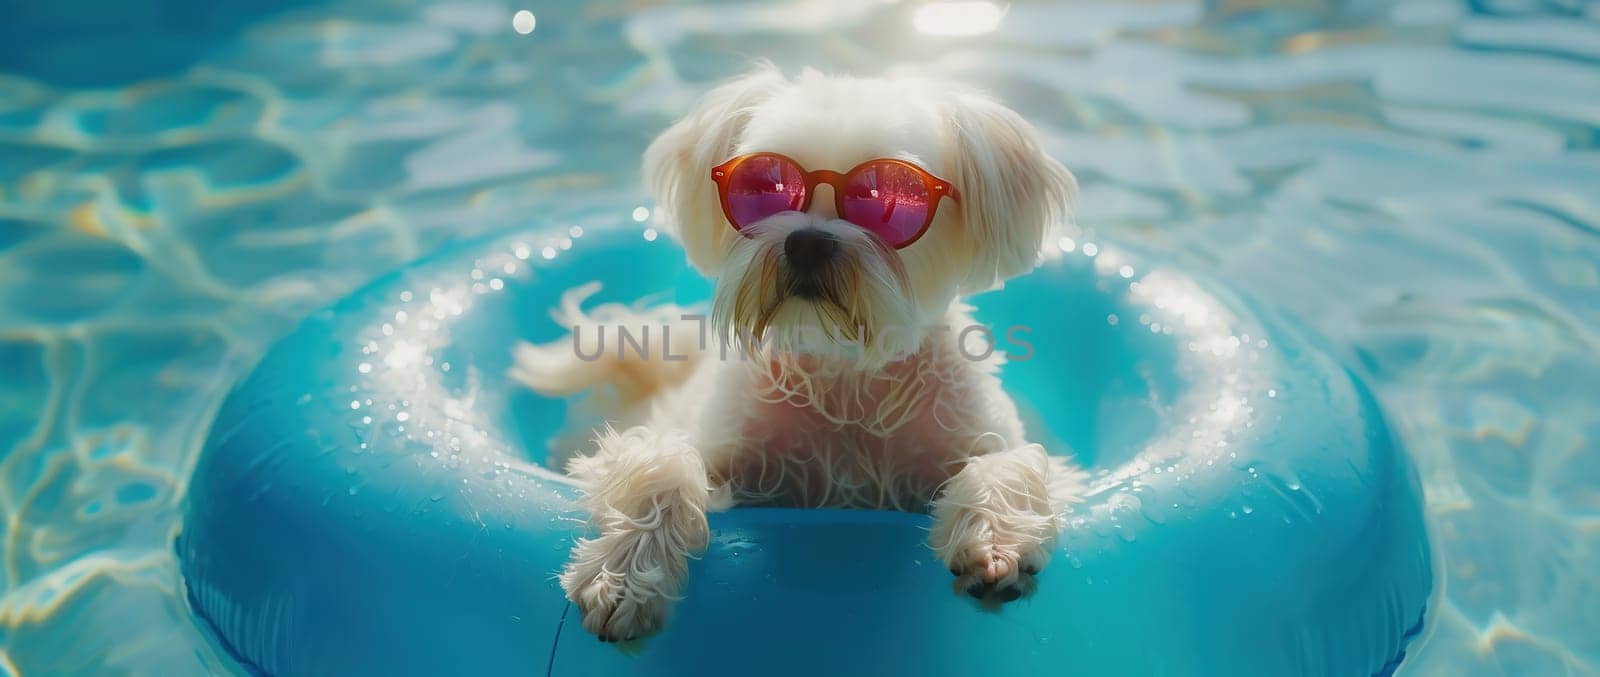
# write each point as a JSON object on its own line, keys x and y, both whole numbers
{"x": 892, "y": 199}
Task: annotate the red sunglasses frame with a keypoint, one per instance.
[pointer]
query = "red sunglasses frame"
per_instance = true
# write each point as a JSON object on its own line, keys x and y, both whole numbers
{"x": 937, "y": 187}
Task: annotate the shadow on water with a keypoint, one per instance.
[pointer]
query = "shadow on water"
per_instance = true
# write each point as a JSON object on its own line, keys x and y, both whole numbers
{"x": 73, "y": 43}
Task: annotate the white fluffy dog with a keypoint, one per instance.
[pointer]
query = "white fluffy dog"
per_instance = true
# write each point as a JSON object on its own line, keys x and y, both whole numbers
{"x": 877, "y": 405}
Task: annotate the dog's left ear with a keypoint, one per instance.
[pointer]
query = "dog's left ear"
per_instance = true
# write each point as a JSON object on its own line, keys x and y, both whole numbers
{"x": 1013, "y": 196}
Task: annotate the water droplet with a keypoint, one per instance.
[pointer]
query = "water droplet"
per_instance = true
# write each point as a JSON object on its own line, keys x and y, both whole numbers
{"x": 524, "y": 22}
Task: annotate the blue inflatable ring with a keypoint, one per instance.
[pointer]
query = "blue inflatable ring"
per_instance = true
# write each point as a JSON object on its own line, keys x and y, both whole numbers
{"x": 370, "y": 499}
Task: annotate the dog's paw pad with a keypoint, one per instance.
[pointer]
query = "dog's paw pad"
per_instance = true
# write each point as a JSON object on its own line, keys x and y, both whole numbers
{"x": 995, "y": 576}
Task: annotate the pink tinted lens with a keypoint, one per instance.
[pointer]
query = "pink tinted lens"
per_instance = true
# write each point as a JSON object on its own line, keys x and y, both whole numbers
{"x": 762, "y": 186}
{"x": 888, "y": 199}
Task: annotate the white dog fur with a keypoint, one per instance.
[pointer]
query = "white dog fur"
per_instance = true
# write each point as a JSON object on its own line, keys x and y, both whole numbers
{"x": 881, "y": 410}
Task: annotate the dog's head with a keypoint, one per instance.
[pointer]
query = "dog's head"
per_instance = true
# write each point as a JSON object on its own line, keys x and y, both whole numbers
{"x": 798, "y": 277}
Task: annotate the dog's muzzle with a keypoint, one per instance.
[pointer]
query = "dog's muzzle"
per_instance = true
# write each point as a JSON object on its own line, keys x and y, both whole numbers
{"x": 808, "y": 253}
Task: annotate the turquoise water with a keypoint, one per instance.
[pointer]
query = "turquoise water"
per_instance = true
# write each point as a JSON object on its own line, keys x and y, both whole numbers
{"x": 1416, "y": 180}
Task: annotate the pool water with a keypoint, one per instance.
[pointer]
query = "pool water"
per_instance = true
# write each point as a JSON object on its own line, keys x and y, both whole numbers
{"x": 1416, "y": 180}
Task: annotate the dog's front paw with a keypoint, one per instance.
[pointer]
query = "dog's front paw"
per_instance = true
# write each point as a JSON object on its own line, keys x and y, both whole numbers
{"x": 995, "y": 572}
{"x": 622, "y": 597}
{"x": 993, "y": 524}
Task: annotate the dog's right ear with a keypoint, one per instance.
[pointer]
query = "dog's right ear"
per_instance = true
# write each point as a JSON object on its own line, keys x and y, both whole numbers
{"x": 677, "y": 166}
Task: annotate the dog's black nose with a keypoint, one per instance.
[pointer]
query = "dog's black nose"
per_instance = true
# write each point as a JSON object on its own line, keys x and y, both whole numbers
{"x": 809, "y": 249}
